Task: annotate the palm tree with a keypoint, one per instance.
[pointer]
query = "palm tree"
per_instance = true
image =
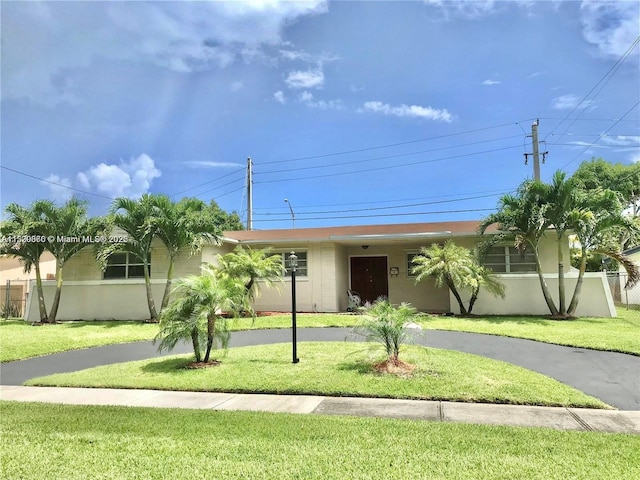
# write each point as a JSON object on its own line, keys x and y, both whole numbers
{"x": 386, "y": 324}
{"x": 187, "y": 224}
{"x": 597, "y": 225}
{"x": 521, "y": 220}
{"x": 195, "y": 312}
{"x": 138, "y": 219}
{"x": 68, "y": 230}
{"x": 449, "y": 264}
{"x": 559, "y": 198}
{"x": 25, "y": 224}
{"x": 482, "y": 277}
{"x": 252, "y": 267}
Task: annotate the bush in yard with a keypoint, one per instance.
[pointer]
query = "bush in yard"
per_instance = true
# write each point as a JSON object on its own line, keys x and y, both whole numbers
{"x": 386, "y": 324}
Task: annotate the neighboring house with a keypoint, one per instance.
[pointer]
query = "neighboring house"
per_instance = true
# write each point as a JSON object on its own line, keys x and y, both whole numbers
{"x": 374, "y": 260}
{"x": 12, "y": 274}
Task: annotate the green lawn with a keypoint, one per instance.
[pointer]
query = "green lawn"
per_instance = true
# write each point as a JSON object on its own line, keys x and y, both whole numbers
{"x": 80, "y": 442}
{"x": 338, "y": 369}
{"x": 20, "y": 340}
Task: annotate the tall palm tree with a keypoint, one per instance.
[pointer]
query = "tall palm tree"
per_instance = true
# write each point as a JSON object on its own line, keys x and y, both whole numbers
{"x": 68, "y": 230}
{"x": 448, "y": 264}
{"x": 138, "y": 219}
{"x": 597, "y": 225}
{"x": 559, "y": 198}
{"x": 24, "y": 224}
{"x": 252, "y": 267}
{"x": 194, "y": 312}
{"x": 187, "y": 224}
{"x": 521, "y": 220}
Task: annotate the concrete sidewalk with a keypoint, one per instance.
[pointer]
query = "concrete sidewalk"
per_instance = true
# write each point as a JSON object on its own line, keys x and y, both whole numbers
{"x": 558, "y": 418}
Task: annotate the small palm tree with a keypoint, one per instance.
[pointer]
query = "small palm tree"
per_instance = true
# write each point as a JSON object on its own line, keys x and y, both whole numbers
{"x": 386, "y": 324}
{"x": 252, "y": 267}
{"x": 449, "y": 264}
{"x": 196, "y": 312}
{"x": 482, "y": 277}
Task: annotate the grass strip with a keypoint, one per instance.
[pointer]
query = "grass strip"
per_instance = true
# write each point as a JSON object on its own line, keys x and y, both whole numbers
{"x": 80, "y": 442}
{"x": 337, "y": 369}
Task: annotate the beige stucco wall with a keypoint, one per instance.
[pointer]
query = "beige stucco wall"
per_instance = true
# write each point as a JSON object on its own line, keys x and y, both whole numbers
{"x": 524, "y": 296}
{"x": 12, "y": 269}
{"x": 98, "y": 300}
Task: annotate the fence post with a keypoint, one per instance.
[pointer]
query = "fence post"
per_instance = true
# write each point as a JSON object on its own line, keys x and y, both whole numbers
{"x": 7, "y": 299}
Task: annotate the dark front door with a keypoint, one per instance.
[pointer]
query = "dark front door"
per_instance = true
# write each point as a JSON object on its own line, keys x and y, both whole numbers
{"x": 369, "y": 277}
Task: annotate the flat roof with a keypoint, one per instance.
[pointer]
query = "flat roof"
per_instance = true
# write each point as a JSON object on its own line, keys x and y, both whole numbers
{"x": 399, "y": 231}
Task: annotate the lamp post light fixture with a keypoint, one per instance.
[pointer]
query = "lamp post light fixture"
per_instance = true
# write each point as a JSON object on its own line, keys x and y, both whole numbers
{"x": 293, "y": 264}
{"x": 293, "y": 215}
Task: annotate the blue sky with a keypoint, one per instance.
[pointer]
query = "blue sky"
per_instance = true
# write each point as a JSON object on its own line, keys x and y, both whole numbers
{"x": 356, "y": 112}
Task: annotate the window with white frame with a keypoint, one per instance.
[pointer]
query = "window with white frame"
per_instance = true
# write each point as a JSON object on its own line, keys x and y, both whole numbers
{"x": 506, "y": 259}
{"x": 302, "y": 270}
{"x": 124, "y": 265}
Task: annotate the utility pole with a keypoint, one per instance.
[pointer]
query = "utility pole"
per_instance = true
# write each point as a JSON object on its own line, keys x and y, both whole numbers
{"x": 249, "y": 195}
{"x": 536, "y": 154}
{"x": 536, "y": 151}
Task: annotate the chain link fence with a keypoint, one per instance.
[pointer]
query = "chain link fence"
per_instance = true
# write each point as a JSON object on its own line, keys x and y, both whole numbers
{"x": 627, "y": 297}
{"x": 13, "y": 298}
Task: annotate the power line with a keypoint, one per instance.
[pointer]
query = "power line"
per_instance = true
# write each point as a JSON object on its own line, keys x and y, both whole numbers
{"x": 391, "y": 166}
{"x": 383, "y": 215}
{"x": 207, "y": 183}
{"x": 55, "y": 183}
{"x": 386, "y": 157}
{"x": 589, "y": 146}
{"x": 388, "y": 207}
{"x": 613, "y": 69}
{"x": 393, "y": 144}
{"x": 385, "y": 201}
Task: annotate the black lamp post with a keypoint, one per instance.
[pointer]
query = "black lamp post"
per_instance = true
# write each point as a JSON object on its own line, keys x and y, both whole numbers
{"x": 293, "y": 263}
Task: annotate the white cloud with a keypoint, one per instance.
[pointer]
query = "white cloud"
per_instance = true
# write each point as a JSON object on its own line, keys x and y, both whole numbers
{"x": 565, "y": 102}
{"x": 621, "y": 140}
{"x": 207, "y": 164}
{"x": 534, "y": 75}
{"x": 611, "y": 26}
{"x": 466, "y": 8}
{"x": 235, "y": 86}
{"x": 59, "y": 187}
{"x": 415, "y": 111}
{"x": 491, "y": 82}
{"x": 127, "y": 179}
{"x": 635, "y": 158}
{"x": 279, "y": 96}
{"x": 309, "y": 100}
{"x": 45, "y": 41}
{"x": 305, "y": 79}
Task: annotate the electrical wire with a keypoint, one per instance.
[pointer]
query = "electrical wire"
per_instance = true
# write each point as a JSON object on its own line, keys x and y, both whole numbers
{"x": 55, "y": 183}
{"x": 206, "y": 183}
{"x": 389, "y": 166}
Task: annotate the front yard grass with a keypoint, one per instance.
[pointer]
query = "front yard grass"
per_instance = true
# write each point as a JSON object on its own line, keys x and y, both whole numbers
{"x": 80, "y": 442}
{"x": 337, "y": 369}
{"x": 19, "y": 340}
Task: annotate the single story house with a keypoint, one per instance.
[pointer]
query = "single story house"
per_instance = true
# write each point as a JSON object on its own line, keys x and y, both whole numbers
{"x": 630, "y": 296}
{"x": 17, "y": 281}
{"x": 373, "y": 260}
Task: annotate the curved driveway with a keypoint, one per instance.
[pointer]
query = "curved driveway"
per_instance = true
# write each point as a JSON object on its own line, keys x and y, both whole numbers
{"x": 612, "y": 377}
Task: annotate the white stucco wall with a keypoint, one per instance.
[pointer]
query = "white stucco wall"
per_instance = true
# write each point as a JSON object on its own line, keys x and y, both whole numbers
{"x": 98, "y": 300}
{"x": 524, "y": 296}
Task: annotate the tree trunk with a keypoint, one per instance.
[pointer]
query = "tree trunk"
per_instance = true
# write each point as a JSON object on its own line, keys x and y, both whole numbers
{"x": 562, "y": 310}
{"x": 40, "y": 291}
{"x": 211, "y": 331}
{"x": 472, "y": 300}
{"x": 196, "y": 344}
{"x": 56, "y": 297}
{"x": 454, "y": 290}
{"x": 167, "y": 288}
{"x": 152, "y": 306}
{"x": 576, "y": 293}
{"x": 545, "y": 288}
